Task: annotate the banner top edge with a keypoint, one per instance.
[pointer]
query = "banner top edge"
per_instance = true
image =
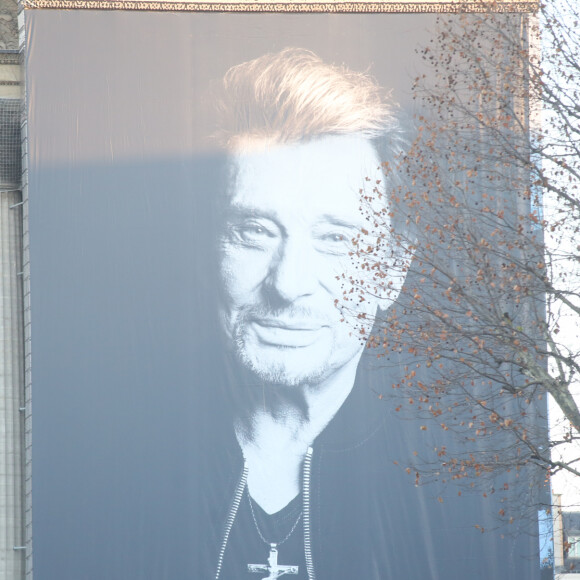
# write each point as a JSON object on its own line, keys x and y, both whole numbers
{"x": 385, "y": 6}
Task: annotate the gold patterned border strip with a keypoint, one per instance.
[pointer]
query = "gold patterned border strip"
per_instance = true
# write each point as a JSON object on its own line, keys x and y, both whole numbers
{"x": 408, "y": 6}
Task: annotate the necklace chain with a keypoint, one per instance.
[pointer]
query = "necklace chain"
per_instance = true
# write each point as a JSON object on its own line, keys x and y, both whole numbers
{"x": 268, "y": 543}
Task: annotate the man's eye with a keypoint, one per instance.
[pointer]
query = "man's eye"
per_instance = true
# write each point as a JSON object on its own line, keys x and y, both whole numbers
{"x": 251, "y": 233}
{"x": 334, "y": 243}
{"x": 336, "y": 238}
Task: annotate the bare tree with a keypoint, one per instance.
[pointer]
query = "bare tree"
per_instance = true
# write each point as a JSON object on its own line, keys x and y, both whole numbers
{"x": 491, "y": 306}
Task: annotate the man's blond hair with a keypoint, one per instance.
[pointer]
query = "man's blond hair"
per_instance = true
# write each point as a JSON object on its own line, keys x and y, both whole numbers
{"x": 294, "y": 96}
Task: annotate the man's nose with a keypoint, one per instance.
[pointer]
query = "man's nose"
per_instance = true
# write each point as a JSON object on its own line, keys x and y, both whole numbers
{"x": 293, "y": 271}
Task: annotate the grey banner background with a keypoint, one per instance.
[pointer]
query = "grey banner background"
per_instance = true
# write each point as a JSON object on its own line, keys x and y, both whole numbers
{"x": 125, "y": 347}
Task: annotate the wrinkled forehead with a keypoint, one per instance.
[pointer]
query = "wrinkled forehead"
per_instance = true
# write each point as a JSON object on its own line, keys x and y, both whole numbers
{"x": 344, "y": 162}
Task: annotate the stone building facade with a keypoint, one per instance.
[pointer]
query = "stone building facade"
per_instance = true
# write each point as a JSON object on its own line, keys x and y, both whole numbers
{"x": 13, "y": 408}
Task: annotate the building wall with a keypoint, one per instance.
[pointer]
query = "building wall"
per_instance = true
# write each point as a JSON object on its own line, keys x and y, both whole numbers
{"x": 12, "y": 549}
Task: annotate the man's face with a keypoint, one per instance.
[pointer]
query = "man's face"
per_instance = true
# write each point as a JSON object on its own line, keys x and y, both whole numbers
{"x": 292, "y": 212}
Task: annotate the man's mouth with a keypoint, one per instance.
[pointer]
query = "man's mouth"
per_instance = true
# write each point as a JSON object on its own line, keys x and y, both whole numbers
{"x": 290, "y": 333}
{"x": 289, "y": 323}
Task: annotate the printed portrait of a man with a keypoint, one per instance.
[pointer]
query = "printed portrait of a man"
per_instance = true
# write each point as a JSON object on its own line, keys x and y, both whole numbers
{"x": 304, "y": 146}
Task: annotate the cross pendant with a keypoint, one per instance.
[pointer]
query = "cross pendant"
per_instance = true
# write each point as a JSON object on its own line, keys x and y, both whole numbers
{"x": 272, "y": 567}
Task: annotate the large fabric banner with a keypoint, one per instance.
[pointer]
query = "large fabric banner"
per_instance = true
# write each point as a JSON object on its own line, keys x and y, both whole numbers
{"x": 206, "y": 404}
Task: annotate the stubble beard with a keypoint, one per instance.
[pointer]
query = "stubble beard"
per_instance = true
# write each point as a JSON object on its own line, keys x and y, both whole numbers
{"x": 280, "y": 365}
{"x": 284, "y": 366}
